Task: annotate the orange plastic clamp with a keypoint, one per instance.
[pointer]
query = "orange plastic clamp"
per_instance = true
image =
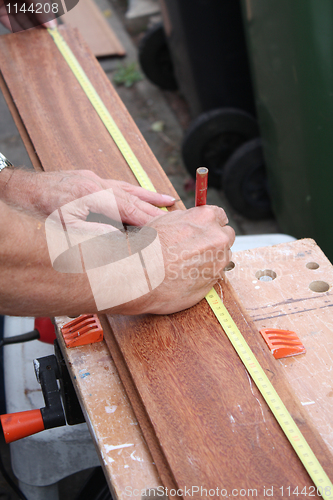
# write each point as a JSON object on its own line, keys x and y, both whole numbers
{"x": 282, "y": 343}
{"x": 84, "y": 330}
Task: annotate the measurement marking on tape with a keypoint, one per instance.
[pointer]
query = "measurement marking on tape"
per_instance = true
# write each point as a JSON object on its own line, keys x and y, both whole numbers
{"x": 285, "y": 420}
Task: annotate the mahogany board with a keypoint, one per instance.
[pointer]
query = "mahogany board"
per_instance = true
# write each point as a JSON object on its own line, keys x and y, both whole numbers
{"x": 187, "y": 377}
{"x": 100, "y": 37}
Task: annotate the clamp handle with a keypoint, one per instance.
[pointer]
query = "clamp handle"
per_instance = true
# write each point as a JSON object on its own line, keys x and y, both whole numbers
{"x": 21, "y": 424}
{"x": 46, "y": 330}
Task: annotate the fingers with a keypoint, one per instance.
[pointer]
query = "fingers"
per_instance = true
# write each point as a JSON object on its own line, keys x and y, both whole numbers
{"x": 208, "y": 214}
{"x": 230, "y": 235}
{"x": 117, "y": 205}
{"x": 157, "y": 199}
{"x": 53, "y": 23}
{"x": 137, "y": 206}
{"x": 202, "y": 216}
{"x": 5, "y": 21}
{"x": 138, "y": 213}
{"x": 133, "y": 210}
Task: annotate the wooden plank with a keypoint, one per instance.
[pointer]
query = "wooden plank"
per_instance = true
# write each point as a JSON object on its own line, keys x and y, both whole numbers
{"x": 97, "y": 33}
{"x": 20, "y": 127}
{"x": 185, "y": 371}
{"x": 141, "y": 413}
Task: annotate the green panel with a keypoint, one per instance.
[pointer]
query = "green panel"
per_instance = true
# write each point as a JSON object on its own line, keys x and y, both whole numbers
{"x": 291, "y": 51}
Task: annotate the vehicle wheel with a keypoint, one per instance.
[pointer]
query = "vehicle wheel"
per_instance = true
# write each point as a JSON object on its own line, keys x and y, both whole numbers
{"x": 155, "y": 58}
{"x": 213, "y": 137}
{"x": 245, "y": 181}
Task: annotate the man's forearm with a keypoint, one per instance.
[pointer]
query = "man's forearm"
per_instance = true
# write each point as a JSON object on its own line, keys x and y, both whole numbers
{"x": 18, "y": 188}
{"x": 5, "y": 176}
{"x": 29, "y": 286}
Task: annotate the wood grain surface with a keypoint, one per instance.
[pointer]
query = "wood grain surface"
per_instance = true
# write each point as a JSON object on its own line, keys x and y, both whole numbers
{"x": 100, "y": 37}
{"x": 211, "y": 421}
{"x": 123, "y": 452}
{"x": 184, "y": 371}
{"x": 288, "y": 302}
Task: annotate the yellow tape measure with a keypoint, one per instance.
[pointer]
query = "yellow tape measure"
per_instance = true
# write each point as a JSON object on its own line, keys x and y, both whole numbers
{"x": 300, "y": 445}
{"x": 102, "y": 111}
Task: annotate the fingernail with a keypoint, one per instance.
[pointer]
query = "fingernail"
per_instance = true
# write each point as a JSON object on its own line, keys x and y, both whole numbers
{"x": 53, "y": 23}
{"x": 166, "y": 197}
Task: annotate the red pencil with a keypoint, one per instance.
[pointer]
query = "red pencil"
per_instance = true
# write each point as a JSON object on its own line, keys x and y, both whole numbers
{"x": 201, "y": 186}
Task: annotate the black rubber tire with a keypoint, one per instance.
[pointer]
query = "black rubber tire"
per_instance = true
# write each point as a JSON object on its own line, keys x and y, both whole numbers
{"x": 245, "y": 181}
{"x": 213, "y": 137}
{"x": 155, "y": 58}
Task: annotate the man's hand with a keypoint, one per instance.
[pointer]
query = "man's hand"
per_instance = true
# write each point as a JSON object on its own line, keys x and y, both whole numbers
{"x": 21, "y": 21}
{"x": 39, "y": 194}
{"x": 196, "y": 248}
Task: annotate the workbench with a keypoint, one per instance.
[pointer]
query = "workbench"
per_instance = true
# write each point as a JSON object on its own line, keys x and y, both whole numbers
{"x": 296, "y": 299}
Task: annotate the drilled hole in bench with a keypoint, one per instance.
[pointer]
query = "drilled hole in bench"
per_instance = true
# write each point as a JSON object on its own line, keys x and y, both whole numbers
{"x": 319, "y": 286}
{"x": 312, "y": 265}
{"x": 229, "y": 266}
{"x": 266, "y": 275}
